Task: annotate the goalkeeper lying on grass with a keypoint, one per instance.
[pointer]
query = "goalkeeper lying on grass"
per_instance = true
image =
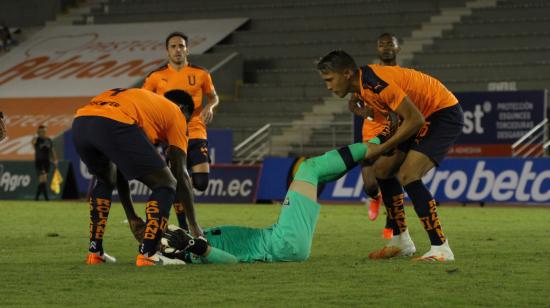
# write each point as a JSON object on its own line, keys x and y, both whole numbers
{"x": 287, "y": 240}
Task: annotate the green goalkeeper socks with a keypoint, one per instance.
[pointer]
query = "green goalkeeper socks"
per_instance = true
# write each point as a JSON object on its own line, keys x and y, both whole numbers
{"x": 332, "y": 164}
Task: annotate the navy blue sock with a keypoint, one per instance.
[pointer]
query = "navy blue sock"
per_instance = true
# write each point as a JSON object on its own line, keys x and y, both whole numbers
{"x": 425, "y": 207}
{"x": 180, "y": 214}
{"x": 100, "y": 205}
{"x": 393, "y": 197}
{"x": 157, "y": 211}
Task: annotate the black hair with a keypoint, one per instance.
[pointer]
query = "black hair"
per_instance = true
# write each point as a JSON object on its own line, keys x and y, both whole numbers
{"x": 336, "y": 61}
{"x": 183, "y": 100}
{"x": 387, "y": 34}
{"x": 41, "y": 126}
{"x": 176, "y": 34}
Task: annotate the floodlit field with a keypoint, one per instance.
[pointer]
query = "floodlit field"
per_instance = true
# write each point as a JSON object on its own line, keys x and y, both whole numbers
{"x": 503, "y": 259}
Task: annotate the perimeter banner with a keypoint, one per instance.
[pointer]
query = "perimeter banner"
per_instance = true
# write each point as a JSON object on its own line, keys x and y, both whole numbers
{"x": 61, "y": 61}
{"x": 493, "y": 121}
{"x": 506, "y": 180}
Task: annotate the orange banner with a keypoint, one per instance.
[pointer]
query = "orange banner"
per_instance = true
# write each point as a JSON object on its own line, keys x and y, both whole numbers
{"x": 24, "y": 115}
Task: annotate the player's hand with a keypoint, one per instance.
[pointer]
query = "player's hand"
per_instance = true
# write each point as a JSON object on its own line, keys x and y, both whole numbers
{"x": 374, "y": 151}
{"x": 176, "y": 238}
{"x": 196, "y": 230}
{"x": 207, "y": 114}
{"x": 357, "y": 107}
{"x": 137, "y": 226}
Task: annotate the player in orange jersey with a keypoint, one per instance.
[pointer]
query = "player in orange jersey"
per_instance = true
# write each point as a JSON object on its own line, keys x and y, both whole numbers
{"x": 179, "y": 74}
{"x": 387, "y": 48}
{"x": 432, "y": 119}
{"x": 117, "y": 130}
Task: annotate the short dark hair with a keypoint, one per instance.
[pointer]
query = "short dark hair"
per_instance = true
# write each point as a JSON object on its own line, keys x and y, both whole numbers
{"x": 176, "y": 34}
{"x": 183, "y": 100}
{"x": 41, "y": 126}
{"x": 387, "y": 34}
{"x": 336, "y": 61}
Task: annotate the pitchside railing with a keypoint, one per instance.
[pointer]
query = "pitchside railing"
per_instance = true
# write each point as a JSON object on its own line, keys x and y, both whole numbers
{"x": 534, "y": 143}
{"x": 283, "y": 139}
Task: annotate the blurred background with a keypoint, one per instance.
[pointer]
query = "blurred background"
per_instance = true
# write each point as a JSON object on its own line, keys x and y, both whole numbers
{"x": 274, "y": 109}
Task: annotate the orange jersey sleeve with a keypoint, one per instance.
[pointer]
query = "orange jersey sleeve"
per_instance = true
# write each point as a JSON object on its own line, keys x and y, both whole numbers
{"x": 160, "y": 119}
{"x": 388, "y": 85}
{"x": 194, "y": 80}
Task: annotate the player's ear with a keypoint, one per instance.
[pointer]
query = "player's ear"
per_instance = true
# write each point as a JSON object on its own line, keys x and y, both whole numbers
{"x": 348, "y": 73}
{"x": 183, "y": 100}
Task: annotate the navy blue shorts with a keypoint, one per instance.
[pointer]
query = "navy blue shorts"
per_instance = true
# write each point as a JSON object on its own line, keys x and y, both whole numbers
{"x": 100, "y": 140}
{"x": 197, "y": 152}
{"x": 438, "y": 134}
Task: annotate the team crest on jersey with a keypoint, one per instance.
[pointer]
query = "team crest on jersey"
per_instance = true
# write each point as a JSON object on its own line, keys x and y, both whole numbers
{"x": 371, "y": 81}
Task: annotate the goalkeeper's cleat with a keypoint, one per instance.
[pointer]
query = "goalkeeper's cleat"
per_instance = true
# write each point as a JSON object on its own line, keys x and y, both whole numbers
{"x": 374, "y": 207}
{"x": 156, "y": 259}
{"x": 99, "y": 258}
{"x": 399, "y": 246}
{"x": 387, "y": 233}
{"x": 441, "y": 253}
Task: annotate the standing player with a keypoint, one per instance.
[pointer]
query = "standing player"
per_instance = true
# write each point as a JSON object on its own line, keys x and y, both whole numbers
{"x": 117, "y": 130}
{"x": 288, "y": 240}
{"x": 196, "y": 81}
{"x": 43, "y": 153}
{"x": 432, "y": 119}
{"x": 387, "y": 48}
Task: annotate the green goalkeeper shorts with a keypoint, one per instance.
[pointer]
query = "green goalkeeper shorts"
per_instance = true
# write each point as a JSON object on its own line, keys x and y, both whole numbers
{"x": 288, "y": 240}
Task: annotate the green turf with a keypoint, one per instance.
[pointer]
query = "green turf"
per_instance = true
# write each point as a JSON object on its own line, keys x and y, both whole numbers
{"x": 502, "y": 260}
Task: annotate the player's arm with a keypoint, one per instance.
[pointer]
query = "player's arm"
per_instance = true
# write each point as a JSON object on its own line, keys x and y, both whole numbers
{"x": 412, "y": 121}
{"x": 184, "y": 190}
{"x": 212, "y": 99}
{"x": 150, "y": 83}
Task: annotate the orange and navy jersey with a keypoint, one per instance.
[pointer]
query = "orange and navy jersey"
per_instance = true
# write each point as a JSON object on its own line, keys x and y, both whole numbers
{"x": 385, "y": 87}
{"x": 160, "y": 119}
{"x": 194, "y": 80}
{"x": 373, "y": 128}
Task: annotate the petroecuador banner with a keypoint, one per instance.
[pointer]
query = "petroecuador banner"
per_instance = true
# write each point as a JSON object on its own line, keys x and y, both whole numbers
{"x": 493, "y": 121}
{"x": 506, "y": 180}
{"x": 227, "y": 184}
{"x": 18, "y": 180}
{"x": 86, "y": 60}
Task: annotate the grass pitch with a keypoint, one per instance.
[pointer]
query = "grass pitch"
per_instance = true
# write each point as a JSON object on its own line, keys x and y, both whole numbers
{"x": 503, "y": 259}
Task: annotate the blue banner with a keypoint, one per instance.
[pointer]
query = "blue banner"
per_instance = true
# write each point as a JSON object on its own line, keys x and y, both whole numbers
{"x": 220, "y": 146}
{"x": 227, "y": 184}
{"x": 493, "y": 121}
{"x": 507, "y": 180}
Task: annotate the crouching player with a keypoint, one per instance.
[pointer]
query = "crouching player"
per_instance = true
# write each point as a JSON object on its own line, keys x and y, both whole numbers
{"x": 290, "y": 238}
{"x": 116, "y": 130}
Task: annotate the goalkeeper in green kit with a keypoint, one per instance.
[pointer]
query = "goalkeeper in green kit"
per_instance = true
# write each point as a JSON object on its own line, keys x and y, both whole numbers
{"x": 287, "y": 240}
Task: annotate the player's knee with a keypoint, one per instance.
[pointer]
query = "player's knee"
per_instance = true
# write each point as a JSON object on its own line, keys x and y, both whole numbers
{"x": 405, "y": 178}
{"x": 306, "y": 169}
{"x": 200, "y": 180}
{"x": 292, "y": 251}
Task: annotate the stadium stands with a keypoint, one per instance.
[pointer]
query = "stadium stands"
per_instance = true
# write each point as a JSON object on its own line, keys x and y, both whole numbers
{"x": 281, "y": 41}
